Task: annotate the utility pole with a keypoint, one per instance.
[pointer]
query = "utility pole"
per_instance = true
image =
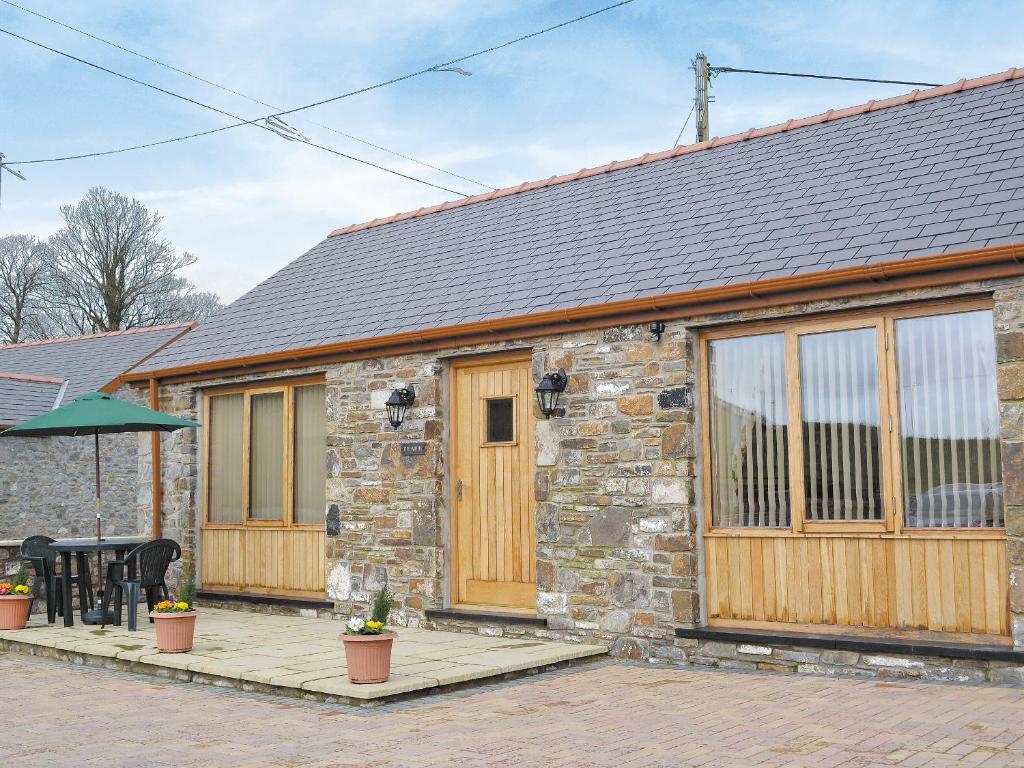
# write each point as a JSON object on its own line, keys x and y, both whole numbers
{"x": 701, "y": 97}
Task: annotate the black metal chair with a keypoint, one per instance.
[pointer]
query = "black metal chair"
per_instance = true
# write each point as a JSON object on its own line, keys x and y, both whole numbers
{"x": 144, "y": 568}
{"x": 35, "y": 550}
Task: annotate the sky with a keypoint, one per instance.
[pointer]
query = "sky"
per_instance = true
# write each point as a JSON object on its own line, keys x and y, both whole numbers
{"x": 246, "y": 202}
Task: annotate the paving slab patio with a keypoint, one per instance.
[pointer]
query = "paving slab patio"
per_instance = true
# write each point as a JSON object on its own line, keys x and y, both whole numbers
{"x": 296, "y": 656}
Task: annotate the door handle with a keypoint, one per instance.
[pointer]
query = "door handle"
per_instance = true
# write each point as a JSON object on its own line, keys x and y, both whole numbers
{"x": 458, "y": 490}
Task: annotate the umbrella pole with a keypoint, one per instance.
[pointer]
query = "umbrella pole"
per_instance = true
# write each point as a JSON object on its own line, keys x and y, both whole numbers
{"x": 99, "y": 531}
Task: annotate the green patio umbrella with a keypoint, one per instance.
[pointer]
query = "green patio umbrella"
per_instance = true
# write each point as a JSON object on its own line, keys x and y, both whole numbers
{"x": 97, "y": 413}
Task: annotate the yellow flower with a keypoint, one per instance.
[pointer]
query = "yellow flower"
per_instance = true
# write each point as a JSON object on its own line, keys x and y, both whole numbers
{"x": 374, "y": 624}
{"x": 21, "y": 589}
{"x": 181, "y": 606}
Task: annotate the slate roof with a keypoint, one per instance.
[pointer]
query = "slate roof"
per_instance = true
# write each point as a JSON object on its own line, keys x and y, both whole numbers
{"x": 23, "y": 399}
{"x": 33, "y": 374}
{"x": 930, "y": 172}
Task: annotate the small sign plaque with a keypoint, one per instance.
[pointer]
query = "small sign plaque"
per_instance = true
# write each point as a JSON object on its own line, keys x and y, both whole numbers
{"x": 414, "y": 449}
{"x": 677, "y": 397}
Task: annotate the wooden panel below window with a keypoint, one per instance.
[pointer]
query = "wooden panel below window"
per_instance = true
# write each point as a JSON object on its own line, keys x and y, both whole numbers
{"x": 285, "y": 560}
{"x": 941, "y": 584}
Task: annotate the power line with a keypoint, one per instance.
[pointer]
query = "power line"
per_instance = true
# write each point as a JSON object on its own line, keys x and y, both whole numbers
{"x": 727, "y": 70}
{"x": 3, "y": 167}
{"x": 247, "y": 97}
{"x": 686, "y": 123}
{"x": 356, "y": 92}
{"x": 265, "y": 123}
{"x": 703, "y": 73}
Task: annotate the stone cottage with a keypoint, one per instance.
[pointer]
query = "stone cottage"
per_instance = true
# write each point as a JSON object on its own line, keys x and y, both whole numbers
{"x": 46, "y": 483}
{"x": 789, "y": 423}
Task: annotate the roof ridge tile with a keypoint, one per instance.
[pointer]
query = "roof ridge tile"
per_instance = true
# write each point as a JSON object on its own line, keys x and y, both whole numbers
{"x": 100, "y": 335}
{"x": 12, "y": 376}
{"x": 963, "y": 84}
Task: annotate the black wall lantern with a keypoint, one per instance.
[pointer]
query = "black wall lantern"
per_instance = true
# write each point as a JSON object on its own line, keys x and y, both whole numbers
{"x": 398, "y": 404}
{"x": 657, "y": 328}
{"x": 550, "y": 387}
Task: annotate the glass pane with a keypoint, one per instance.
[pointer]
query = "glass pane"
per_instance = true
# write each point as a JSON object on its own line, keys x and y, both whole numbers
{"x": 266, "y": 457}
{"x": 749, "y": 441}
{"x": 949, "y": 419}
{"x": 310, "y": 454}
{"x": 500, "y": 420}
{"x": 841, "y": 417}
{"x": 224, "y": 464}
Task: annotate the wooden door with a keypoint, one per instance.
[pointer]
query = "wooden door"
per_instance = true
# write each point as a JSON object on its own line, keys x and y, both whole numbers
{"x": 492, "y": 437}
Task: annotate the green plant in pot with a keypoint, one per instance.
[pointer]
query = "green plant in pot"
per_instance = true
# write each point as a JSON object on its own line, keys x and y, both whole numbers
{"x": 175, "y": 619}
{"x": 368, "y": 642}
{"x": 15, "y": 601}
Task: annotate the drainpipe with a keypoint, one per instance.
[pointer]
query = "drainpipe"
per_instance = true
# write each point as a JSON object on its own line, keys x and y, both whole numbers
{"x": 156, "y": 485}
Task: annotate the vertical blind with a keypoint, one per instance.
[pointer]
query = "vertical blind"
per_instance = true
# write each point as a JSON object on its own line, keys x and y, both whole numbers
{"x": 266, "y": 456}
{"x": 224, "y": 477}
{"x": 840, "y": 422}
{"x": 949, "y": 420}
{"x": 310, "y": 473}
{"x": 749, "y": 435}
{"x": 946, "y": 432}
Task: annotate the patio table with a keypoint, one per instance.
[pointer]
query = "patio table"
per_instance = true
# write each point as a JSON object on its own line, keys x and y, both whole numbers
{"x": 81, "y": 548}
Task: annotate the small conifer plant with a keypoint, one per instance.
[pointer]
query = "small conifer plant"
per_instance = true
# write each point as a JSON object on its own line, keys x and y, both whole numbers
{"x": 379, "y": 613}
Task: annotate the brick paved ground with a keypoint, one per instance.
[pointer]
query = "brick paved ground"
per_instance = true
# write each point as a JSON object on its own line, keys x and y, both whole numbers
{"x": 606, "y": 714}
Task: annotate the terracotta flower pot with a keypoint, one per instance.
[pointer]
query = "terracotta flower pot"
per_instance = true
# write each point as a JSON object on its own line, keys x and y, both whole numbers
{"x": 368, "y": 657}
{"x": 174, "y": 631}
{"x": 14, "y": 611}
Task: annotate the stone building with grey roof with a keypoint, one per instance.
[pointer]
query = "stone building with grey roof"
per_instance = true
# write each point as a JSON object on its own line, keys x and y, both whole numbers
{"x": 789, "y": 426}
{"x": 46, "y": 483}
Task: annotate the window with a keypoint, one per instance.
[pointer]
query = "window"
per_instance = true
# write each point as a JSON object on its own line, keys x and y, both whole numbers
{"x": 224, "y": 430}
{"x": 879, "y": 423}
{"x": 310, "y": 454}
{"x": 839, "y": 411}
{"x": 949, "y": 421}
{"x": 266, "y": 455}
{"x": 500, "y": 420}
{"x": 749, "y": 432}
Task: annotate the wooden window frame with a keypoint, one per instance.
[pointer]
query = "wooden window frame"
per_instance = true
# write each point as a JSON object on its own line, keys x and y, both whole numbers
{"x": 484, "y": 442}
{"x": 884, "y": 320}
{"x": 287, "y": 388}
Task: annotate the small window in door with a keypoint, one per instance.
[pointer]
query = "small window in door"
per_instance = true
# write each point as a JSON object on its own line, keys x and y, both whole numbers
{"x": 501, "y": 420}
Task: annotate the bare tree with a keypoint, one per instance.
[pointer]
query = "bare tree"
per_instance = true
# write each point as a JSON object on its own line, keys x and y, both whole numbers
{"x": 112, "y": 269}
{"x": 23, "y": 278}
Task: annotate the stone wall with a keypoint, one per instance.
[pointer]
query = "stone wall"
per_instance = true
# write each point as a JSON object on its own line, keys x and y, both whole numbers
{"x": 1009, "y": 323}
{"x": 617, "y": 502}
{"x": 615, "y": 554}
{"x": 10, "y": 559}
{"x": 615, "y": 484}
{"x": 179, "y": 457}
{"x": 47, "y": 485}
{"x": 615, "y": 517}
{"x": 794, "y": 658}
{"x": 385, "y": 510}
